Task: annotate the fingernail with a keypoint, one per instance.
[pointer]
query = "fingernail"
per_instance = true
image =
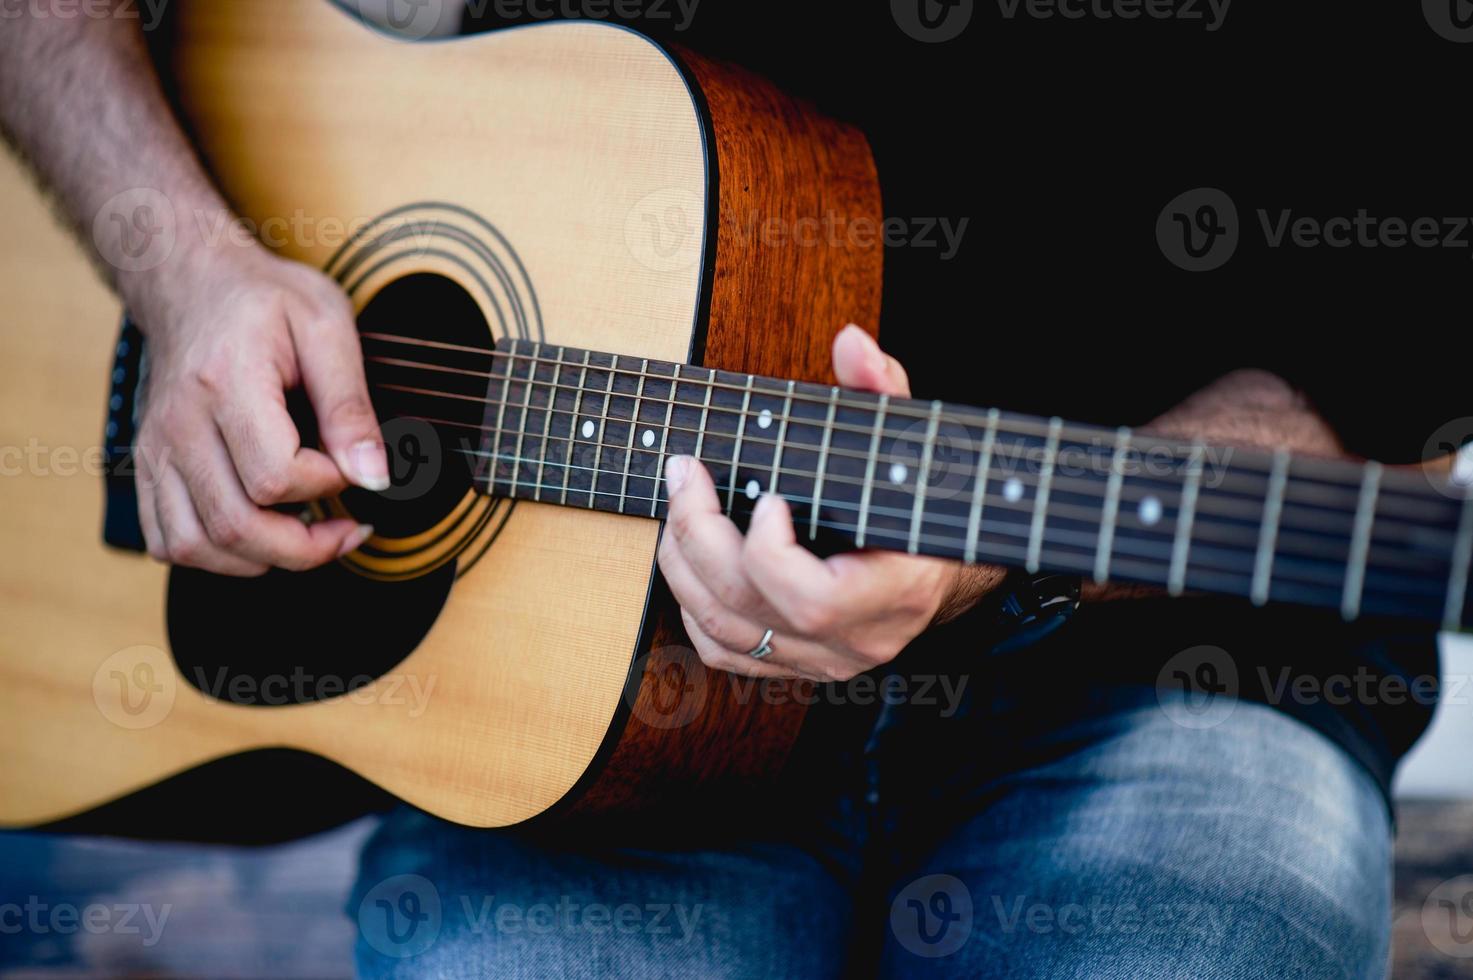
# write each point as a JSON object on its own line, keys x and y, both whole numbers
{"x": 355, "y": 540}
{"x": 677, "y": 471}
{"x": 765, "y": 503}
{"x": 370, "y": 466}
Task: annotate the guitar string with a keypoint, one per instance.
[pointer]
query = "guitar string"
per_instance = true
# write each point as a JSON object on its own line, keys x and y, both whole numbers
{"x": 1243, "y": 482}
{"x": 1434, "y": 582}
{"x": 1336, "y": 470}
{"x": 1386, "y": 521}
{"x": 1389, "y": 510}
{"x": 1243, "y": 477}
{"x": 1224, "y": 528}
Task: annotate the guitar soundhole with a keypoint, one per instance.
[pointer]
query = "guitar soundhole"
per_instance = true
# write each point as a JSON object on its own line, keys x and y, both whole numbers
{"x": 426, "y": 387}
{"x": 294, "y": 638}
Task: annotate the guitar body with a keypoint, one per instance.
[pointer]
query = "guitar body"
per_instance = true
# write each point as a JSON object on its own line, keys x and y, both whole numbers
{"x": 484, "y": 660}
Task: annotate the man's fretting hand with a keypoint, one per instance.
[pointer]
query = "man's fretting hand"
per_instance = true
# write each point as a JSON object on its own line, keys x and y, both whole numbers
{"x": 831, "y": 618}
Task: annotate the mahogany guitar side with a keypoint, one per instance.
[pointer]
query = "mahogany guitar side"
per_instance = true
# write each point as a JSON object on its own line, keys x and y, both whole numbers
{"x": 580, "y": 186}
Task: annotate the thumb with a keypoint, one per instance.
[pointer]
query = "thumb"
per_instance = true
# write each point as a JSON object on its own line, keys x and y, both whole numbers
{"x": 860, "y": 364}
{"x": 331, "y": 362}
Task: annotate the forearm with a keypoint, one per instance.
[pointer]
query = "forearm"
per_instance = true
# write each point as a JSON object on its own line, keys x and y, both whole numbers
{"x": 1245, "y": 408}
{"x": 84, "y": 107}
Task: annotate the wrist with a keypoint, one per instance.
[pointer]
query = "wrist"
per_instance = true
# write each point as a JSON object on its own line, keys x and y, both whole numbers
{"x": 193, "y": 263}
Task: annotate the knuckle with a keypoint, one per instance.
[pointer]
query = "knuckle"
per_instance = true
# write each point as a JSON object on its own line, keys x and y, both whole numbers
{"x": 840, "y": 673}
{"x": 682, "y": 525}
{"x": 710, "y": 622}
{"x": 267, "y": 487}
{"x": 215, "y": 374}
{"x": 814, "y": 618}
{"x": 352, "y": 411}
{"x": 225, "y": 528}
{"x": 875, "y": 652}
{"x": 186, "y": 549}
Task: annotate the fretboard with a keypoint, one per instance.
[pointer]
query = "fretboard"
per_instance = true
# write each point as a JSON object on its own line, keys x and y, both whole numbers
{"x": 585, "y": 429}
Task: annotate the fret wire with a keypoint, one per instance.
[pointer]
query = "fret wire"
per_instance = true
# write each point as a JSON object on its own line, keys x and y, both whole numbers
{"x": 705, "y": 409}
{"x": 633, "y": 428}
{"x": 1457, "y": 589}
{"x": 1306, "y": 487}
{"x": 927, "y": 452}
{"x": 522, "y": 429}
{"x": 869, "y": 473}
{"x": 782, "y": 434}
{"x": 1184, "y": 518}
{"x": 1073, "y": 484}
{"x": 1268, "y": 533}
{"x": 1013, "y": 529}
{"x": 664, "y": 444}
{"x": 573, "y": 426}
{"x": 547, "y": 423}
{"x": 603, "y": 425}
{"x": 979, "y": 485}
{"x": 1040, "y": 501}
{"x": 736, "y": 455}
{"x": 501, "y": 409}
{"x": 1112, "y": 506}
{"x": 1336, "y": 470}
{"x": 823, "y": 456}
{"x": 1360, "y": 541}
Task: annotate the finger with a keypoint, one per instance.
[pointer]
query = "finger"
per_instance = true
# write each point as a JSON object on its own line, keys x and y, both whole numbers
{"x": 730, "y": 630}
{"x": 235, "y": 525}
{"x": 184, "y": 535}
{"x": 799, "y": 586}
{"x": 859, "y": 363}
{"x": 331, "y": 361}
{"x": 148, "y": 518}
{"x": 708, "y": 540}
{"x": 718, "y": 657}
{"x": 266, "y": 448}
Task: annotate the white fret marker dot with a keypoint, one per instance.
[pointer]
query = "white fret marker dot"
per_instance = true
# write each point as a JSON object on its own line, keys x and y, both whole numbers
{"x": 1012, "y": 491}
{"x": 764, "y": 421}
{"x": 898, "y": 473}
{"x": 588, "y": 429}
{"x": 1150, "y": 512}
{"x": 754, "y": 489}
{"x": 648, "y": 438}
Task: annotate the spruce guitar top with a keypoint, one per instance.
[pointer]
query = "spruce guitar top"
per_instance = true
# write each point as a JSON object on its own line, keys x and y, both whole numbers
{"x": 529, "y": 226}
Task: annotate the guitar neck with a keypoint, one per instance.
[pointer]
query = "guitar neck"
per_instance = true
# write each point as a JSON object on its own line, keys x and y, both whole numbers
{"x": 586, "y": 429}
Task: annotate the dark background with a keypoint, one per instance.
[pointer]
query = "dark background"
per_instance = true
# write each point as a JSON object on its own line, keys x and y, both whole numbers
{"x": 1062, "y": 140}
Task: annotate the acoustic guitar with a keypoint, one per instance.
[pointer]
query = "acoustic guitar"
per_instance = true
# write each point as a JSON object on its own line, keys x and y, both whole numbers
{"x": 573, "y": 254}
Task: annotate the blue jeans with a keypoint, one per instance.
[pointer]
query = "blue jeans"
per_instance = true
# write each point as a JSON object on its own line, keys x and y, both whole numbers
{"x": 1121, "y": 844}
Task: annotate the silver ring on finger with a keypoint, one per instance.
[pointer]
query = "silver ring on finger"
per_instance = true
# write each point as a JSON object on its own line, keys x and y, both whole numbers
{"x": 762, "y": 650}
